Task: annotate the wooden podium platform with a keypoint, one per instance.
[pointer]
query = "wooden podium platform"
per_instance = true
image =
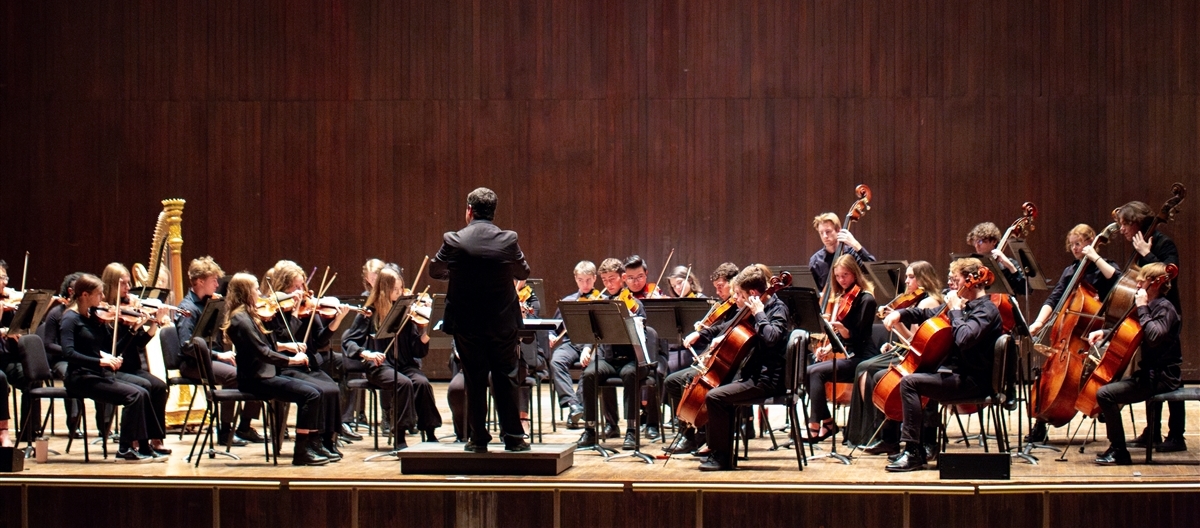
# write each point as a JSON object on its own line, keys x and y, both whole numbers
{"x": 450, "y": 459}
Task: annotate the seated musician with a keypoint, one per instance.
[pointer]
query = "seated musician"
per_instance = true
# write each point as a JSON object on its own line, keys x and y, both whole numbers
{"x": 975, "y": 323}
{"x": 762, "y": 374}
{"x": 290, "y": 332}
{"x": 1159, "y": 367}
{"x": 258, "y": 361}
{"x": 699, "y": 341}
{"x": 205, "y": 276}
{"x": 830, "y": 229}
{"x": 11, "y": 365}
{"x": 533, "y": 355}
{"x": 636, "y": 279}
{"x": 50, "y": 330}
{"x": 984, "y": 237}
{"x": 1101, "y": 275}
{"x": 850, "y": 286}
{"x": 605, "y": 361}
{"x": 566, "y": 353}
{"x": 865, "y": 418}
{"x": 407, "y": 397}
{"x": 1135, "y": 218}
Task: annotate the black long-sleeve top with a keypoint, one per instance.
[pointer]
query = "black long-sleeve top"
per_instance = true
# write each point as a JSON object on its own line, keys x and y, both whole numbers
{"x": 256, "y": 354}
{"x": 131, "y": 344}
{"x": 51, "y": 333}
{"x": 566, "y": 340}
{"x": 84, "y": 338}
{"x": 1162, "y": 249}
{"x": 859, "y": 322}
{"x": 1092, "y": 276}
{"x": 822, "y": 261}
{"x": 768, "y": 358}
{"x": 976, "y": 328}
{"x": 1162, "y": 355}
{"x": 318, "y": 338}
{"x": 361, "y": 336}
{"x": 717, "y": 328}
{"x": 1017, "y": 280}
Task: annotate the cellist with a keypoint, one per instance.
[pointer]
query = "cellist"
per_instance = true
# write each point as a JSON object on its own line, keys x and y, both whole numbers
{"x": 763, "y": 372}
{"x": 1135, "y": 218}
{"x": 1101, "y": 276}
{"x": 829, "y": 228}
{"x": 976, "y": 325}
{"x": 1159, "y": 368}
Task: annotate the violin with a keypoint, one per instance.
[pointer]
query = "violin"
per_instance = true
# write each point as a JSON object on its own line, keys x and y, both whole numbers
{"x": 523, "y": 296}
{"x": 715, "y": 314}
{"x": 902, "y": 301}
{"x": 128, "y": 316}
{"x": 150, "y": 307}
{"x": 11, "y": 299}
{"x": 421, "y": 309}
{"x": 630, "y": 301}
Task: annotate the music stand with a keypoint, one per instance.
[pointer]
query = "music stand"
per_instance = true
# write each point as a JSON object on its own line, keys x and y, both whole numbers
{"x": 1001, "y": 284}
{"x": 206, "y": 325}
{"x": 802, "y": 276}
{"x": 30, "y": 312}
{"x": 1029, "y": 265}
{"x": 390, "y": 326}
{"x": 437, "y": 338}
{"x": 609, "y": 322}
{"x": 674, "y": 318}
{"x": 887, "y": 275}
{"x": 804, "y": 307}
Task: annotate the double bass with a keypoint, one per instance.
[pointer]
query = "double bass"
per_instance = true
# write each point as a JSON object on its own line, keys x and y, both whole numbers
{"x": 929, "y": 347}
{"x": 1020, "y": 228}
{"x": 857, "y": 209}
{"x": 723, "y": 361}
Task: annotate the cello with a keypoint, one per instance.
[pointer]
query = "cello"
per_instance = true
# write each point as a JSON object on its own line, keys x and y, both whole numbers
{"x": 933, "y": 341}
{"x": 723, "y": 361}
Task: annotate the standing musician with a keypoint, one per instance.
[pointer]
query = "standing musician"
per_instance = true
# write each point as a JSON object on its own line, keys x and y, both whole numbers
{"x": 605, "y": 361}
{"x": 1159, "y": 367}
{"x": 1135, "y": 218}
{"x": 1101, "y": 276}
{"x": 87, "y": 344}
{"x": 205, "y": 277}
{"x": 484, "y": 316}
{"x": 290, "y": 330}
{"x": 984, "y": 237}
{"x": 116, "y": 289}
{"x": 50, "y": 330}
{"x": 677, "y": 381}
{"x": 831, "y": 231}
{"x": 762, "y": 374}
{"x": 851, "y": 317}
{"x": 976, "y": 325}
{"x": 393, "y": 362}
{"x": 566, "y": 353}
{"x": 258, "y": 361}
{"x": 865, "y": 418}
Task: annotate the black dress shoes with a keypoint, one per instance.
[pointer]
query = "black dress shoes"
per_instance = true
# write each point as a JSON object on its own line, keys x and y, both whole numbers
{"x": 473, "y": 447}
{"x": 612, "y": 431}
{"x": 574, "y": 415}
{"x": 910, "y": 459}
{"x": 712, "y": 464}
{"x": 250, "y": 435}
{"x": 883, "y": 448}
{"x": 1171, "y": 445}
{"x": 631, "y": 441}
{"x": 516, "y": 446}
{"x": 588, "y": 438}
{"x": 1114, "y": 457}
{"x": 652, "y": 432}
{"x": 347, "y": 432}
{"x": 687, "y": 445}
{"x": 1038, "y": 434}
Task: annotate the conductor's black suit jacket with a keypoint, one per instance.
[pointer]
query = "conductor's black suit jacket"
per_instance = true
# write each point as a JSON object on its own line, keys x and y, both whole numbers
{"x": 481, "y": 261}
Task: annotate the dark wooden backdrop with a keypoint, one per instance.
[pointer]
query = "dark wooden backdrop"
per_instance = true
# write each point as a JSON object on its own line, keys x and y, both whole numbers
{"x": 332, "y": 131}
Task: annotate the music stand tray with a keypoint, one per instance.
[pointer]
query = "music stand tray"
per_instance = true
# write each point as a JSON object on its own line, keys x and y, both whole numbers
{"x": 887, "y": 275}
{"x": 1029, "y": 265}
{"x": 391, "y": 323}
{"x": 802, "y": 275}
{"x": 674, "y": 318}
{"x": 30, "y": 312}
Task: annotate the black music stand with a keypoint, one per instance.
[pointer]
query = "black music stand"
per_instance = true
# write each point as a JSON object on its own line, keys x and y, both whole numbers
{"x": 389, "y": 328}
{"x": 437, "y": 338}
{"x": 802, "y": 275}
{"x": 30, "y": 312}
{"x": 207, "y": 324}
{"x": 675, "y": 318}
{"x": 887, "y": 275}
{"x": 804, "y": 307}
{"x": 609, "y": 323}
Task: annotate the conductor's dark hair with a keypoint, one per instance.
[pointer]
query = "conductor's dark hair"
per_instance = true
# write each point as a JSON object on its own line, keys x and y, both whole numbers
{"x": 482, "y": 202}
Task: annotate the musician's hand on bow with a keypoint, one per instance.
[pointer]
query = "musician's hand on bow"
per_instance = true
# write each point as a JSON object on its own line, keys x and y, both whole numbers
{"x": 109, "y": 361}
{"x": 891, "y": 320}
{"x": 299, "y": 359}
{"x": 841, "y": 329}
{"x": 227, "y": 357}
{"x": 374, "y": 358}
{"x": 691, "y": 339}
{"x": 585, "y": 357}
{"x": 1095, "y": 337}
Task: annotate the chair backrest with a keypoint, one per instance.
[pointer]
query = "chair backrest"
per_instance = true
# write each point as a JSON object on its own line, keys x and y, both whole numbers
{"x": 204, "y": 364}
{"x": 797, "y": 360}
{"x": 172, "y": 354}
{"x": 33, "y": 358}
{"x": 1002, "y": 354}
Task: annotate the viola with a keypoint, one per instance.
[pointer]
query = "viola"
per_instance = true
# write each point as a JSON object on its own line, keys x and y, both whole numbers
{"x": 902, "y": 301}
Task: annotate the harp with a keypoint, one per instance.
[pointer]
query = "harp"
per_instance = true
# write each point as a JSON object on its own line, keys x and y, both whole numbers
{"x": 164, "y": 270}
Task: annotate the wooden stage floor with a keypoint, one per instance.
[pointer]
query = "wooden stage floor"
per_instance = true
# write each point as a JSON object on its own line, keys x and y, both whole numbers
{"x": 770, "y": 473}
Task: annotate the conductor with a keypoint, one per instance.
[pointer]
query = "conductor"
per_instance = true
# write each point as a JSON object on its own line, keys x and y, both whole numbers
{"x": 483, "y": 315}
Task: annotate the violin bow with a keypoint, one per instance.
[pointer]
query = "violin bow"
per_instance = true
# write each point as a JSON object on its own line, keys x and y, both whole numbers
{"x": 313, "y": 317}
{"x": 279, "y": 312}
{"x": 664, "y": 270}
{"x": 24, "y": 270}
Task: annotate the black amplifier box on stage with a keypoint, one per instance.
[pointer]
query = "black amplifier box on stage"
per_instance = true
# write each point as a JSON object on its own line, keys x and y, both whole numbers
{"x": 12, "y": 460}
{"x": 974, "y": 466}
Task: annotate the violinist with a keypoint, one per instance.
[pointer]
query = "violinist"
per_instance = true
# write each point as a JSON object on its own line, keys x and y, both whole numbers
{"x": 851, "y": 317}
{"x": 258, "y": 361}
{"x": 407, "y": 395}
{"x": 50, "y": 330}
{"x": 1159, "y": 367}
{"x": 139, "y": 332}
{"x": 684, "y": 283}
{"x": 984, "y": 237}
{"x": 87, "y": 345}
{"x": 566, "y": 353}
{"x": 975, "y": 323}
{"x": 10, "y": 360}
{"x": 1135, "y": 218}
{"x": 635, "y": 278}
{"x": 700, "y": 340}
{"x": 205, "y": 277}
{"x": 829, "y": 228}
{"x": 5, "y": 438}
{"x": 1102, "y": 275}
{"x": 636, "y": 282}
{"x": 762, "y": 374}
{"x": 865, "y": 418}
{"x": 309, "y": 335}
{"x": 370, "y": 272}
{"x": 605, "y": 361}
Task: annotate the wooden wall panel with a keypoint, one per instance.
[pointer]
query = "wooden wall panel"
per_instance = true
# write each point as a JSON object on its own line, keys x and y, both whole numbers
{"x": 119, "y": 507}
{"x": 328, "y": 132}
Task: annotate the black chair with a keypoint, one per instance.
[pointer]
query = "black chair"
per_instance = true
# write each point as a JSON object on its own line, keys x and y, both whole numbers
{"x": 1004, "y": 357}
{"x": 37, "y": 368}
{"x": 215, "y": 396}
{"x": 372, "y": 391}
{"x": 794, "y": 370}
{"x": 173, "y": 360}
{"x": 1154, "y": 412}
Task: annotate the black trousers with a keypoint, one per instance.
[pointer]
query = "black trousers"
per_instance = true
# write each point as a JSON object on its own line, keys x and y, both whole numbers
{"x": 138, "y": 421}
{"x": 722, "y": 402}
{"x": 495, "y": 356}
{"x": 1132, "y": 390}
{"x": 16, "y": 378}
{"x": 305, "y": 395}
{"x": 158, "y": 397}
{"x": 1175, "y": 424}
{"x": 818, "y": 375}
{"x": 225, "y": 375}
{"x": 937, "y": 386}
{"x": 410, "y": 399}
{"x": 603, "y": 369}
{"x": 330, "y": 404}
